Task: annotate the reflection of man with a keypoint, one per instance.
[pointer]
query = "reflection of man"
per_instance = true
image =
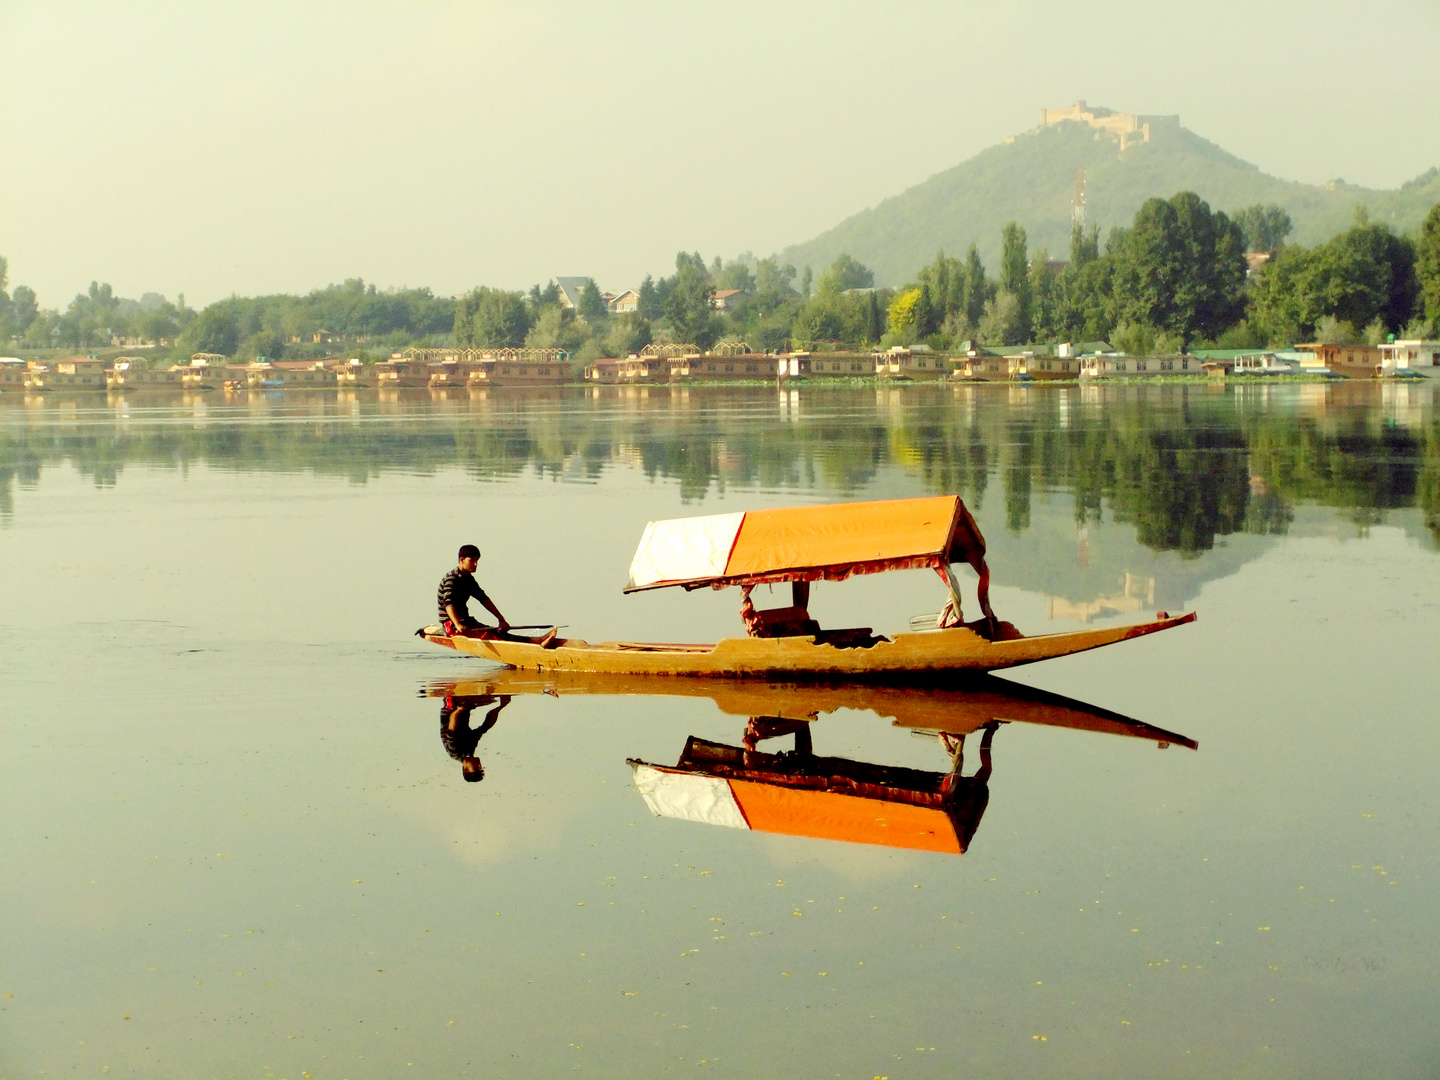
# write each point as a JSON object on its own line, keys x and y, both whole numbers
{"x": 967, "y": 796}
{"x": 457, "y": 589}
{"x": 459, "y": 737}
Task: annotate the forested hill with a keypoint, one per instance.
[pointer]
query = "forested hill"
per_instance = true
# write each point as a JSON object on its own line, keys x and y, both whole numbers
{"x": 1032, "y": 180}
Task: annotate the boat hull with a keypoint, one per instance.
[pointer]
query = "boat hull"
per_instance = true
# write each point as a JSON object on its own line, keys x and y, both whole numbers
{"x": 904, "y": 656}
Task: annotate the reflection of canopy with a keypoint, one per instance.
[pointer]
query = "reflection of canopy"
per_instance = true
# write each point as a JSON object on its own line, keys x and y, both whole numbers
{"x": 808, "y": 543}
{"x": 832, "y": 799}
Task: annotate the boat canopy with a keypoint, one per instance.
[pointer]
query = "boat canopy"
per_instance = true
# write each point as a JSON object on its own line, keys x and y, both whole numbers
{"x": 807, "y": 543}
{"x": 922, "y": 825}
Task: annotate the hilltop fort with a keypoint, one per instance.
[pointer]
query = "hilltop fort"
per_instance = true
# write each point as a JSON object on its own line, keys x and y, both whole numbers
{"x": 1127, "y": 127}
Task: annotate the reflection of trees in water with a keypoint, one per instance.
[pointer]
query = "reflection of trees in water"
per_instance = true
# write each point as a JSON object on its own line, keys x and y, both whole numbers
{"x": 1183, "y": 464}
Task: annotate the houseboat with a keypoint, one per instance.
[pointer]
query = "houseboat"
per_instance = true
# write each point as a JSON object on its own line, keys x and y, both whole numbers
{"x": 1410, "y": 358}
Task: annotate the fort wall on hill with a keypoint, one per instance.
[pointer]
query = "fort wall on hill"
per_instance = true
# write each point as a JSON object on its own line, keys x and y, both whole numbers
{"x": 1127, "y": 127}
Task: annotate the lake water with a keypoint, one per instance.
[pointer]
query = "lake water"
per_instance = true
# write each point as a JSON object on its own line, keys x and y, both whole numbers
{"x": 234, "y": 844}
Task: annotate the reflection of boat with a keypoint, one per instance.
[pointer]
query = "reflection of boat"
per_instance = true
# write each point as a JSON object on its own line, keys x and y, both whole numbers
{"x": 800, "y": 793}
{"x": 801, "y": 545}
{"x": 957, "y": 709}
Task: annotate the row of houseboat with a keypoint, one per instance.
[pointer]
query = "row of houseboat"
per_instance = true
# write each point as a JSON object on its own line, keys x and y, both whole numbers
{"x": 460, "y": 368}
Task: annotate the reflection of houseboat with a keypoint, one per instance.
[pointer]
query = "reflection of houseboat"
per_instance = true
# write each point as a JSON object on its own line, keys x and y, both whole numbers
{"x": 800, "y": 546}
{"x": 1411, "y": 357}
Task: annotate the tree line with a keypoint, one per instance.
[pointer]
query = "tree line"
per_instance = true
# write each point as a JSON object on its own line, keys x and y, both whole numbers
{"x": 1178, "y": 276}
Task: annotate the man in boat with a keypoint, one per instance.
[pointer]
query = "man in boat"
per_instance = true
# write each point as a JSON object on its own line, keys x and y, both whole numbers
{"x": 459, "y": 738}
{"x": 457, "y": 589}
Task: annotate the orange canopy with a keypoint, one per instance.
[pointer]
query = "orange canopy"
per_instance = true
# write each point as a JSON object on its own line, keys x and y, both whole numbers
{"x": 833, "y": 815}
{"x": 829, "y": 542}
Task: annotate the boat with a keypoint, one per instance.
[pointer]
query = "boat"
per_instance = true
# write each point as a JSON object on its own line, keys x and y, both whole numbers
{"x": 801, "y": 793}
{"x": 802, "y": 545}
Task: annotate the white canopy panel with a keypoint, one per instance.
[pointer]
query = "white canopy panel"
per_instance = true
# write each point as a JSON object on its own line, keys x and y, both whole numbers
{"x": 706, "y": 799}
{"x": 684, "y": 549}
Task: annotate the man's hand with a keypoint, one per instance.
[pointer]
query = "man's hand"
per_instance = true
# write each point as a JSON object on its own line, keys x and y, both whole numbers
{"x": 504, "y": 623}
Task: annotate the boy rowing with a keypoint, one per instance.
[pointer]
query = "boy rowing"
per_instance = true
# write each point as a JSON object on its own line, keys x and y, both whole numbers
{"x": 457, "y": 588}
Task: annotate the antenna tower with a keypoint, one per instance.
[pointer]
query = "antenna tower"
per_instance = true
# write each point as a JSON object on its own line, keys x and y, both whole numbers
{"x": 1077, "y": 205}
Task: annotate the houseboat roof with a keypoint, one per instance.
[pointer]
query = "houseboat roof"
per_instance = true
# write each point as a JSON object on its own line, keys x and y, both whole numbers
{"x": 830, "y": 543}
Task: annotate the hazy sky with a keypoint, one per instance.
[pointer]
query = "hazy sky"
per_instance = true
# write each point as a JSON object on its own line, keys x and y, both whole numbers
{"x": 250, "y": 147}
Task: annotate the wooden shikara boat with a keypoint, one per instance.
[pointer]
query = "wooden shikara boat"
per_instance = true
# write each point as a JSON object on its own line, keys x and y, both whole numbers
{"x": 800, "y": 546}
{"x": 801, "y": 793}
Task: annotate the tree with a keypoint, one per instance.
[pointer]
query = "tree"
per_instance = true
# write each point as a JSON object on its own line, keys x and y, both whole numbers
{"x": 22, "y": 307}
{"x": 491, "y": 318}
{"x": 650, "y": 305}
{"x": 1364, "y": 273}
{"x": 215, "y": 330}
{"x": 900, "y": 320}
{"x": 805, "y": 281}
{"x": 846, "y": 273}
{"x": 1047, "y": 317}
{"x": 687, "y": 309}
{"x": 592, "y": 304}
{"x": 1179, "y": 268}
{"x": 977, "y": 289}
{"x": 1002, "y": 322}
{"x": 1427, "y": 268}
{"x": 1264, "y": 227}
{"x": 1015, "y": 277}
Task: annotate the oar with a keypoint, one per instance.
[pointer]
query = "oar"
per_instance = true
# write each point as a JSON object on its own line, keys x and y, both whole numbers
{"x": 539, "y": 626}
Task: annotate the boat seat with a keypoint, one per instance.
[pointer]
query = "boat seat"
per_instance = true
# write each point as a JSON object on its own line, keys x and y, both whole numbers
{"x": 784, "y": 622}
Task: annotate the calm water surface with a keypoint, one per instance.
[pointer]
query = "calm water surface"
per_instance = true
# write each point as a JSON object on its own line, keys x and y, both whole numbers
{"x": 235, "y": 844}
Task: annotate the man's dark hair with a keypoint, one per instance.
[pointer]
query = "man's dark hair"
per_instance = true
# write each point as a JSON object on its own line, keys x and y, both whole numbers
{"x": 469, "y": 551}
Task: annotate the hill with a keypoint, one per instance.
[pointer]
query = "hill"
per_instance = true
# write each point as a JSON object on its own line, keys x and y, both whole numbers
{"x": 1031, "y": 179}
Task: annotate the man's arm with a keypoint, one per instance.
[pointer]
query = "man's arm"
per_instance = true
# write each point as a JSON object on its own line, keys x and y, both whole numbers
{"x": 490, "y": 607}
{"x": 455, "y": 619}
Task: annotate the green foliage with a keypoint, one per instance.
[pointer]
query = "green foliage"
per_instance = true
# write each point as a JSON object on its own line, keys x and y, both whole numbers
{"x": 1179, "y": 268}
{"x": 1264, "y": 227}
{"x": 651, "y": 304}
{"x": 1002, "y": 322}
{"x": 215, "y": 330}
{"x": 1015, "y": 278}
{"x": 687, "y": 308}
{"x": 845, "y": 273}
{"x": 1427, "y": 268}
{"x": 1332, "y": 331}
{"x": 491, "y": 318}
{"x": 556, "y": 328}
{"x": 1361, "y": 275}
{"x": 592, "y": 304}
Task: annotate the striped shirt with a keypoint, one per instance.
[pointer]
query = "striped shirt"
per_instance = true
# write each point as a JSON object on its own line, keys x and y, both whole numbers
{"x": 458, "y": 587}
